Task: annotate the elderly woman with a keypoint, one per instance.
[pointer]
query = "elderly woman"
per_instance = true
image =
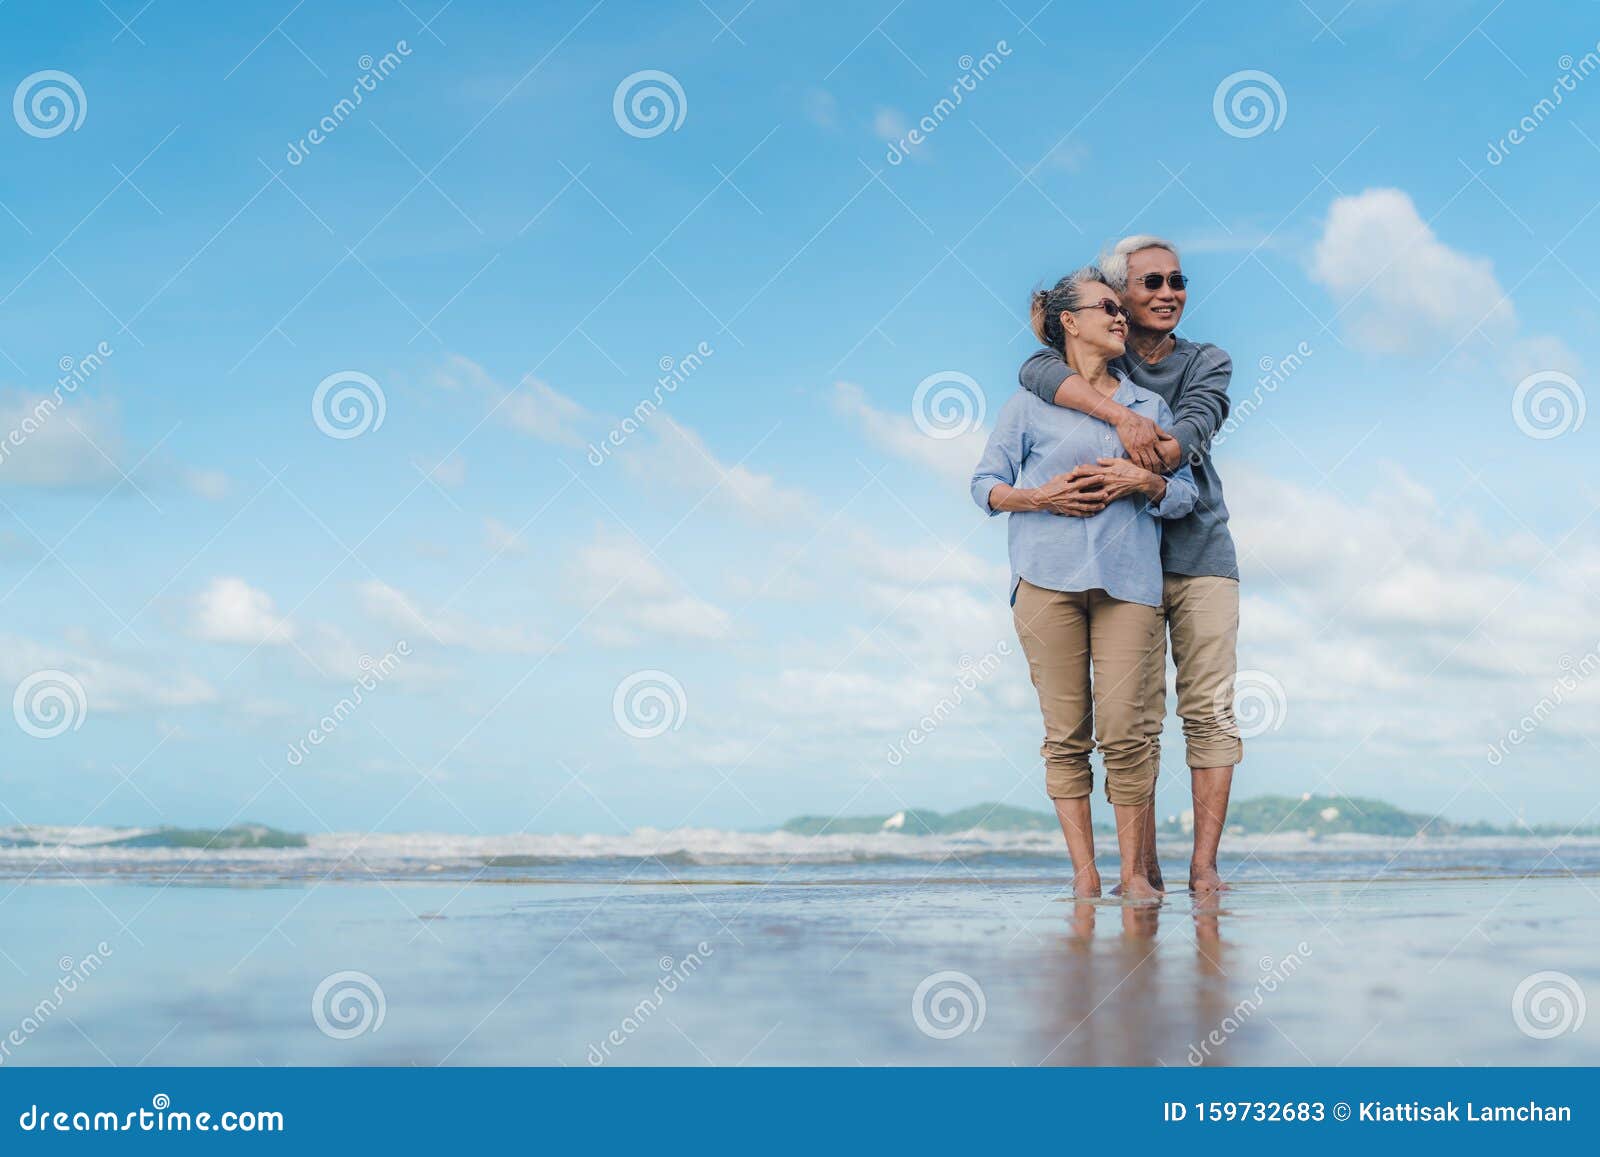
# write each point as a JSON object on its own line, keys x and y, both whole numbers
{"x": 1085, "y": 540}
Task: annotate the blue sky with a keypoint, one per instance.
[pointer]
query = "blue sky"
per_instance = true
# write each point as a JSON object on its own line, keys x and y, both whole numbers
{"x": 483, "y": 239}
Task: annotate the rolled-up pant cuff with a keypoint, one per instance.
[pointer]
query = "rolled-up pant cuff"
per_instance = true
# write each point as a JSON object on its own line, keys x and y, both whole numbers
{"x": 1068, "y": 782}
{"x": 1215, "y": 753}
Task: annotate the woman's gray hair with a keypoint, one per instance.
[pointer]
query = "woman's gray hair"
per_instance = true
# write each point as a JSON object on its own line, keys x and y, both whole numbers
{"x": 1115, "y": 263}
{"x": 1047, "y": 305}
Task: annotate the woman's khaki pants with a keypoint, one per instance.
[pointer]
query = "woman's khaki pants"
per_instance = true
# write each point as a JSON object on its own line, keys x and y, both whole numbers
{"x": 1096, "y": 662}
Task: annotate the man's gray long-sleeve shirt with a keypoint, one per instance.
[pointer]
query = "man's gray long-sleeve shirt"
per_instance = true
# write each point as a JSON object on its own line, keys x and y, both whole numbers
{"x": 1193, "y": 380}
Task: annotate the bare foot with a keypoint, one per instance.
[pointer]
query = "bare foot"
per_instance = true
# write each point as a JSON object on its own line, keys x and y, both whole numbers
{"x": 1205, "y": 881}
{"x": 1137, "y": 890}
{"x": 1086, "y": 884}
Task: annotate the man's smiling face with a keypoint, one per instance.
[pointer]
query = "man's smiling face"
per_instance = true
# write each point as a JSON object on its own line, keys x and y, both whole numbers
{"x": 1155, "y": 309}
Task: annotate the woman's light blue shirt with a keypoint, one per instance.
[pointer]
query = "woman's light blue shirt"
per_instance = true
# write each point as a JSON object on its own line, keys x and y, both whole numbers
{"x": 1117, "y": 550}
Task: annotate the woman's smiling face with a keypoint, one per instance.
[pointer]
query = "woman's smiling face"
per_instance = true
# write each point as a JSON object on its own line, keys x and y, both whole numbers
{"x": 1093, "y": 325}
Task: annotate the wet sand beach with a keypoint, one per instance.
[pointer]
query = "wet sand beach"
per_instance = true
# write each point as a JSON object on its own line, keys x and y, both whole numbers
{"x": 947, "y": 969}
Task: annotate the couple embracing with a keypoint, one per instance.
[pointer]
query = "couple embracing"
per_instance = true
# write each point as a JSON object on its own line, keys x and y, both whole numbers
{"x": 1118, "y": 538}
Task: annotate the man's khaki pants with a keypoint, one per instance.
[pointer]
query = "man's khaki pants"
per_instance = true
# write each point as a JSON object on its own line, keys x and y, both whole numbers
{"x": 1070, "y": 636}
{"x": 1203, "y": 618}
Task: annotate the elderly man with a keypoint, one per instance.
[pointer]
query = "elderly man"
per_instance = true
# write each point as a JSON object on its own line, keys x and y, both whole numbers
{"x": 1201, "y": 574}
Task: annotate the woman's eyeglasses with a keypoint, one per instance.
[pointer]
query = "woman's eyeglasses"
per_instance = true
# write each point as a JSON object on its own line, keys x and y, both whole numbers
{"x": 1176, "y": 280}
{"x": 1112, "y": 308}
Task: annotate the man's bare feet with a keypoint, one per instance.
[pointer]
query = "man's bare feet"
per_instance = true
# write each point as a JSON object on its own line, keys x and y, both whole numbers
{"x": 1204, "y": 881}
{"x": 1086, "y": 884}
{"x": 1137, "y": 890}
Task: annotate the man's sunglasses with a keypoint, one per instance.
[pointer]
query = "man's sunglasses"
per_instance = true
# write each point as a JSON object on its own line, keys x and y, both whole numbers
{"x": 1112, "y": 308}
{"x": 1176, "y": 280}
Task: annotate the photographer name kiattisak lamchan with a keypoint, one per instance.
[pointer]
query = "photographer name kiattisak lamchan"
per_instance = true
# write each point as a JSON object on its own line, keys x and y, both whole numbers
{"x": 1450, "y": 1111}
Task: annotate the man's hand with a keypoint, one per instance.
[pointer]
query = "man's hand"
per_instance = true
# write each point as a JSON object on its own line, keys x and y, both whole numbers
{"x": 1066, "y": 494}
{"x": 1113, "y": 478}
{"x": 1141, "y": 438}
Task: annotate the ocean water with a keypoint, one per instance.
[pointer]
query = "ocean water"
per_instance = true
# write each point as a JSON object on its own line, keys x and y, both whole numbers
{"x": 701, "y": 855}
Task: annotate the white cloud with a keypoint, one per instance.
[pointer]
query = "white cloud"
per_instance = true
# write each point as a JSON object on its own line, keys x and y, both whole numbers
{"x": 1401, "y": 289}
{"x": 640, "y": 600}
{"x": 394, "y": 607}
{"x": 65, "y": 444}
{"x": 680, "y": 454}
{"x": 532, "y": 407}
{"x": 230, "y": 610}
{"x": 502, "y": 539}
{"x": 209, "y": 484}
{"x": 898, "y": 434}
{"x": 112, "y": 681}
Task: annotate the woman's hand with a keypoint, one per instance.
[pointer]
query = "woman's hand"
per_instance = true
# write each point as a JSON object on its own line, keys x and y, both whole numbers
{"x": 1065, "y": 494}
{"x": 1113, "y": 478}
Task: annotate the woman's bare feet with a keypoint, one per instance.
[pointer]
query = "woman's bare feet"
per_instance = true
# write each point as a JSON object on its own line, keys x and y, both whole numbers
{"x": 1086, "y": 884}
{"x": 1138, "y": 890}
{"x": 1204, "y": 881}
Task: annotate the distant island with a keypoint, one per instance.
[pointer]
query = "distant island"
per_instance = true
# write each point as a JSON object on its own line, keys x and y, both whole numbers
{"x": 1317, "y": 815}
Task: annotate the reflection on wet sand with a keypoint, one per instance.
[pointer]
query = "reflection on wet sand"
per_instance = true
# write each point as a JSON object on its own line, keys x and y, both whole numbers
{"x": 1114, "y": 991}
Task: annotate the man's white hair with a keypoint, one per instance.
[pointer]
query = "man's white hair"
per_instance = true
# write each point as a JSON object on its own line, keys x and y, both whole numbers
{"x": 1115, "y": 263}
